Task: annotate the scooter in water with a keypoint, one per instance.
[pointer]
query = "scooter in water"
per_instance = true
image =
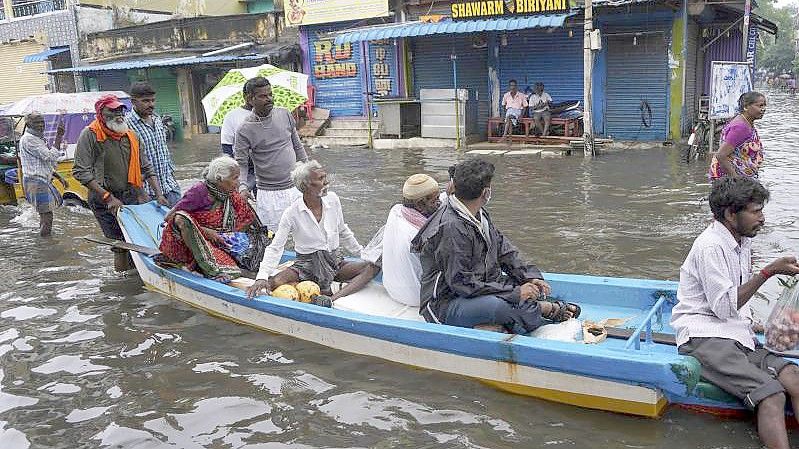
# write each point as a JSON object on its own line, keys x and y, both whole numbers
{"x": 169, "y": 126}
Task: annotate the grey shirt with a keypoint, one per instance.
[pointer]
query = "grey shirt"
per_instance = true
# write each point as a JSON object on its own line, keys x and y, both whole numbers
{"x": 273, "y": 144}
{"x": 106, "y": 162}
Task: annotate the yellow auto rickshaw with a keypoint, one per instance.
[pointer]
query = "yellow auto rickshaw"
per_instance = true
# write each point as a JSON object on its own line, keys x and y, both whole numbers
{"x": 76, "y": 110}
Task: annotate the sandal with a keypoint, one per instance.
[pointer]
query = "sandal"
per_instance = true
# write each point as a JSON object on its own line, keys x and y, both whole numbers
{"x": 322, "y": 301}
{"x": 559, "y": 310}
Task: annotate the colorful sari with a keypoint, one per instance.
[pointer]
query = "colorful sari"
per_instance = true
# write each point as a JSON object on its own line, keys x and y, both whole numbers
{"x": 748, "y": 154}
{"x": 205, "y": 206}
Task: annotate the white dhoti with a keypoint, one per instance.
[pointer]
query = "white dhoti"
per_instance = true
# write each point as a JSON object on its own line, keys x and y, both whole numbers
{"x": 272, "y": 203}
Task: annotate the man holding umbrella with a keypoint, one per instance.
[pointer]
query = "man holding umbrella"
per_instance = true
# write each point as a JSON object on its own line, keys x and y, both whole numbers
{"x": 269, "y": 137}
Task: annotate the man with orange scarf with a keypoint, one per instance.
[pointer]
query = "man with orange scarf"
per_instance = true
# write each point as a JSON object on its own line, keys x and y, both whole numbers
{"x": 108, "y": 162}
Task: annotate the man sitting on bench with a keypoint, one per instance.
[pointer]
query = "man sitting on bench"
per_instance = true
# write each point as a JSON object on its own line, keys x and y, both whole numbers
{"x": 514, "y": 103}
{"x": 540, "y": 102}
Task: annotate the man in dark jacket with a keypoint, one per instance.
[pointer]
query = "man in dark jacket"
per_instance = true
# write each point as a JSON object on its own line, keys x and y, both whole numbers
{"x": 463, "y": 259}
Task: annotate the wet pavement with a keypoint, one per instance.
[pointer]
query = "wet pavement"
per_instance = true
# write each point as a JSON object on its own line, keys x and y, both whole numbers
{"x": 89, "y": 358}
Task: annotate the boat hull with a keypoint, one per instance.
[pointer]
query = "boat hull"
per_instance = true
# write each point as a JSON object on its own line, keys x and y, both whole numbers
{"x": 604, "y": 377}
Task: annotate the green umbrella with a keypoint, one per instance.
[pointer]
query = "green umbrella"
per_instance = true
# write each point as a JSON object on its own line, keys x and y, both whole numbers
{"x": 289, "y": 89}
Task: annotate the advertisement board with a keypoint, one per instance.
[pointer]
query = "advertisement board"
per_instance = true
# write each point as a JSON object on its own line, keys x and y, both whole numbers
{"x": 728, "y": 81}
{"x": 309, "y": 12}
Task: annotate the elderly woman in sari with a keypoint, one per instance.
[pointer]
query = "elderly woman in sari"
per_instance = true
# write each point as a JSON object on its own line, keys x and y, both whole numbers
{"x": 203, "y": 231}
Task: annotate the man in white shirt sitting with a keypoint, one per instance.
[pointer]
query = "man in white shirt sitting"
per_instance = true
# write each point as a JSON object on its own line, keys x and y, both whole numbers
{"x": 539, "y": 103}
{"x": 712, "y": 317}
{"x": 402, "y": 270}
{"x": 316, "y": 222}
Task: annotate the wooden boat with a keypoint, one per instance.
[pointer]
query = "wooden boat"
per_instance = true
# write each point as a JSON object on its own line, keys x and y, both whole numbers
{"x": 636, "y": 376}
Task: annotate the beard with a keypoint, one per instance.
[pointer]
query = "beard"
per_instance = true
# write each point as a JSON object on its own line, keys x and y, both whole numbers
{"x": 117, "y": 127}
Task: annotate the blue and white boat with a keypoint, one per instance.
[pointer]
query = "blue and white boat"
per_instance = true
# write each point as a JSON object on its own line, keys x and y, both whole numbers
{"x": 636, "y": 376}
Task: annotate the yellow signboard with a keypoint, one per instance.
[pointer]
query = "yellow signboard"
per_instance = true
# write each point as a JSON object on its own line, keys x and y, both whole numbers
{"x": 467, "y": 10}
{"x": 309, "y": 12}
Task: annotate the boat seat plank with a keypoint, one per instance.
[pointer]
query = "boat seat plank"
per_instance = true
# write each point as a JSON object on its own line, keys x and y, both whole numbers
{"x": 374, "y": 300}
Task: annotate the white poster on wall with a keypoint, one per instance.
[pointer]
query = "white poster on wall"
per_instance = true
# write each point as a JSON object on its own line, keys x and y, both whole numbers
{"x": 728, "y": 81}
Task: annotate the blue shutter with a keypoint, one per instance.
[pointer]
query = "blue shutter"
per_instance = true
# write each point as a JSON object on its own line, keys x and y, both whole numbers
{"x": 342, "y": 95}
{"x": 112, "y": 80}
{"x": 432, "y": 69}
{"x": 637, "y": 71}
{"x": 552, "y": 58}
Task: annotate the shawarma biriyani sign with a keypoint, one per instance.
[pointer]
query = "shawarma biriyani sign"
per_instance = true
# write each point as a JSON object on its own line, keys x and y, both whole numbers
{"x": 309, "y": 12}
{"x": 470, "y": 10}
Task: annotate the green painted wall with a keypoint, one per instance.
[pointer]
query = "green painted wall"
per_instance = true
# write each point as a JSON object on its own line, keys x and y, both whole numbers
{"x": 167, "y": 98}
{"x": 677, "y": 73}
{"x": 259, "y": 6}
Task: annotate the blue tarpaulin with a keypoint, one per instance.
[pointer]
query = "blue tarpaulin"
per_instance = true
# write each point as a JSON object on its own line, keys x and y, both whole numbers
{"x": 44, "y": 55}
{"x": 412, "y": 29}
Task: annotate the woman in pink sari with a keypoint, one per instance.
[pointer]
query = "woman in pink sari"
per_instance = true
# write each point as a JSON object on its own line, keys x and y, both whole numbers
{"x": 741, "y": 152}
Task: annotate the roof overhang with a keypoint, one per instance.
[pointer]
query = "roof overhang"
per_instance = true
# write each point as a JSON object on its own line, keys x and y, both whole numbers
{"x": 45, "y": 55}
{"x": 275, "y": 53}
{"x": 418, "y": 28}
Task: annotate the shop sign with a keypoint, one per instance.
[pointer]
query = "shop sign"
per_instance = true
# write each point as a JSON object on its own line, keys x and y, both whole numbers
{"x": 383, "y": 67}
{"x": 333, "y": 60}
{"x": 470, "y": 10}
{"x": 309, "y": 12}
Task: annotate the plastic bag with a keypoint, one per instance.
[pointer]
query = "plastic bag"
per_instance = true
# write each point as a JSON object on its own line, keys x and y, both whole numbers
{"x": 782, "y": 326}
{"x": 570, "y": 330}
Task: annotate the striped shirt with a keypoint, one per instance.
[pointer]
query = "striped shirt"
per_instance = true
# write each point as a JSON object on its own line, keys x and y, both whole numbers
{"x": 153, "y": 142}
{"x": 708, "y": 292}
{"x": 36, "y": 157}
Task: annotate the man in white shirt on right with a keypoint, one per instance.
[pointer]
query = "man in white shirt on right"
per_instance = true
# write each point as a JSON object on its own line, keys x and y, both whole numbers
{"x": 712, "y": 319}
{"x": 539, "y": 103}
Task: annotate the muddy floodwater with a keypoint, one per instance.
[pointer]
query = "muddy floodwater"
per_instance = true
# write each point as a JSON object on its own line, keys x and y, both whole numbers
{"x": 89, "y": 358}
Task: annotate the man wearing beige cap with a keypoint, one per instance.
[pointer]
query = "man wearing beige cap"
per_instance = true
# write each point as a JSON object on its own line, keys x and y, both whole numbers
{"x": 402, "y": 270}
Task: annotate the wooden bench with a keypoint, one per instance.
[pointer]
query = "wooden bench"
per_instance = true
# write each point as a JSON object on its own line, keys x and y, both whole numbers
{"x": 572, "y": 127}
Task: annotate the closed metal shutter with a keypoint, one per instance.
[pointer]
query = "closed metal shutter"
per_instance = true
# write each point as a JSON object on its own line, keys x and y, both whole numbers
{"x": 637, "y": 83}
{"x": 167, "y": 101}
{"x": 432, "y": 69}
{"x": 21, "y": 79}
{"x": 691, "y": 64}
{"x": 552, "y": 58}
{"x": 112, "y": 80}
{"x": 342, "y": 94}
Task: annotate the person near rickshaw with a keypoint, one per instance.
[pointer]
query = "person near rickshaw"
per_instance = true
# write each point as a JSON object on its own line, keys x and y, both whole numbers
{"x": 39, "y": 160}
{"x": 108, "y": 161}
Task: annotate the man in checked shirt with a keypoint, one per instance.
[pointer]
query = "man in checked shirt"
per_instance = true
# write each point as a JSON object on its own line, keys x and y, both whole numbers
{"x": 152, "y": 135}
{"x": 712, "y": 317}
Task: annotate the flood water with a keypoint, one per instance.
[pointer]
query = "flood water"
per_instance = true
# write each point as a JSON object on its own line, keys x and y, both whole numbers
{"x": 89, "y": 358}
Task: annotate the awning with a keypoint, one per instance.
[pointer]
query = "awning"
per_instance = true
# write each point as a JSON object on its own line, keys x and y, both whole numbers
{"x": 412, "y": 29}
{"x": 764, "y": 24}
{"x": 44, "y": 55}
{"x": 179, "y": 61}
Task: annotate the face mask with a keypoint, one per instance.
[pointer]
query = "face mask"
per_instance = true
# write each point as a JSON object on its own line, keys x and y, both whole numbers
{"x": 488, "y": 197}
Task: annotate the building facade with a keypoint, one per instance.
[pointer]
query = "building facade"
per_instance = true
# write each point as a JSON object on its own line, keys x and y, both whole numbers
{"x": 648, "y": 77}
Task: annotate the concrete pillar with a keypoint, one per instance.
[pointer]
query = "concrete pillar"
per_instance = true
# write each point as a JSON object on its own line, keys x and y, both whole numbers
{"x": 9, "y": 9}
{"x": 187, "y": 102}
